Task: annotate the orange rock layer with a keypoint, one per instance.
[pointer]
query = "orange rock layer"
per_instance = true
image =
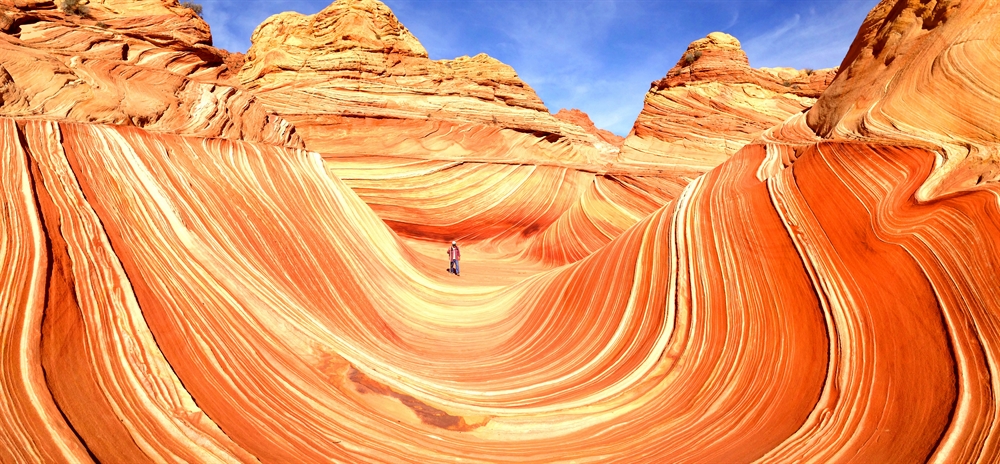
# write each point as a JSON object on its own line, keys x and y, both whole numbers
{"x": 184, "y": 297}
{"x": 922, "y": 73}
{"x": 581, "y": 119}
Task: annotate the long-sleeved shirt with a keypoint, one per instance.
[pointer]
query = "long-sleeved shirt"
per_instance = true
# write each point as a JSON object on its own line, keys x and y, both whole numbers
{"x": 453, "y": 253}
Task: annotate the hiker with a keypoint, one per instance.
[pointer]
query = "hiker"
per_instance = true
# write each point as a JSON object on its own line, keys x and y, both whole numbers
{"x": 454, "y": 255}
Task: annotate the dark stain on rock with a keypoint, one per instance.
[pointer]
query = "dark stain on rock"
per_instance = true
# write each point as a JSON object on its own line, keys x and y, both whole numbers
{"x": 427, "y": 414}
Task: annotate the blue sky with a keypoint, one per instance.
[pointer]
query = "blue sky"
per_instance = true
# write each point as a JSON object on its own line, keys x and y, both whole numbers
{"x": 595, "y": 55}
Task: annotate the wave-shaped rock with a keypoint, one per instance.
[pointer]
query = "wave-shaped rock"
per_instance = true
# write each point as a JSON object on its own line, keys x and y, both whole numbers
{"x": 365, "y": 334}
{"x": 178, "y": 297}
{"x": 921, "y": 73}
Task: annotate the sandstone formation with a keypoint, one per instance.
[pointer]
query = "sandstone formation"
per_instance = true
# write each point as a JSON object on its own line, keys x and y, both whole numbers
{"x": 711, "y": 104}
{"x": 173, "y": 292}
{"x": 394, "y": 124}
{"x": 581, "y": 119}
{"x": 939, "y": 88}
{"x": 355, "y": 81}
{"x": 115, "y": 63}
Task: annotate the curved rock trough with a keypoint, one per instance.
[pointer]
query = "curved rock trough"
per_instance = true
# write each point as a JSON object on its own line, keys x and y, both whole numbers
{"x": 202, "y": 264}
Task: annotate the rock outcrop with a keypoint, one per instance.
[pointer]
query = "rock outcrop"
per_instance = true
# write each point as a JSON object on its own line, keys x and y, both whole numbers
{"x": 146, "y": 64}
{"x": 919, "y": 74}
{"x": 171, "y": 296}
{"x": 361, "y": 91}
{"x": 711, "y": 104}
{"x": 581, "y": 119}
{"x": 351, "y": 74}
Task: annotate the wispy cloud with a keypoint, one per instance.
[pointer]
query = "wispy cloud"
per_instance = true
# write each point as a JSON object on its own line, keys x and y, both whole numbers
{"x": 812, "y": 39}
{"x": 784, "y": 28}
{"x": 736, "y": 17}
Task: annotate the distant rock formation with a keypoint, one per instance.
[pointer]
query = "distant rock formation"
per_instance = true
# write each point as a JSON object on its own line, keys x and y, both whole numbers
{"x": 346, "y": 74}
{"x": 711, "y": 104}
{"x": 581, "y": 119}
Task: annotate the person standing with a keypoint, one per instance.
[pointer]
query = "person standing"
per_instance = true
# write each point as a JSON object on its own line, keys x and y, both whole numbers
{"x": 454, "y": 255}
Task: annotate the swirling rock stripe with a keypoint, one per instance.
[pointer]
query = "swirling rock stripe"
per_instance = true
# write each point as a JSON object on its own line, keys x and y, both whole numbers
{"x": 31, "y": 427}
{"x": 808, "y": 314}
{"x": 98, "y": 356}
{"x": 875, "y": 297}
{"x": 549, "y": 214}
{"x": 698, "y": 127}
{"x": 357, "y": 134}
{"x": 260, "y": 383}
{"x": 952, "y": 294}
{"x": 610, "y": 205}
{"x": 129, "y": 380}
{"x": 906, "y": 58}
{"x": 54, "y": 67}
{"x": 294, "y": 382}
{"x": 473, "y": 201}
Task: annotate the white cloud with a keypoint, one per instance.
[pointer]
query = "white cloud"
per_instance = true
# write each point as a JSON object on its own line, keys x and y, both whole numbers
{"x": 732, "y": 22}
{"x": 813, "y": 40}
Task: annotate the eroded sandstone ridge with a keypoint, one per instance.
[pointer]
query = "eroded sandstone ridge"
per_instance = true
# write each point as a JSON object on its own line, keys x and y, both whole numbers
{"x": 191, "y": 281}
{"x": 147, "y": 64}
{"x": 347, "y": 74}
{"x": 581, "y": 119}
{"x": 394, "y": 124}
{"x": 919, "y": 74}
{"x": 712, "y": 103}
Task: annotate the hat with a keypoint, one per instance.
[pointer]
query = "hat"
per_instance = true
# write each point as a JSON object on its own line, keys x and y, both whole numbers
{"x": 453, "y": 242}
